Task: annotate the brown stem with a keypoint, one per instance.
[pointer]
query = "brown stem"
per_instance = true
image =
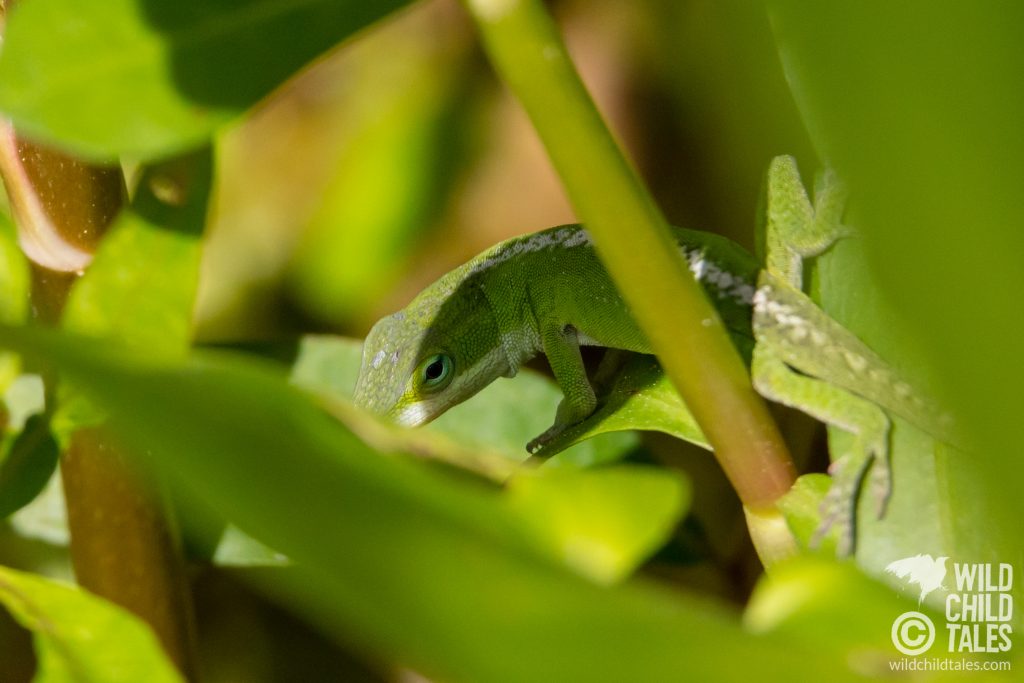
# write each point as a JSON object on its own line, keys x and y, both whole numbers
{"x": 123, "y": 544}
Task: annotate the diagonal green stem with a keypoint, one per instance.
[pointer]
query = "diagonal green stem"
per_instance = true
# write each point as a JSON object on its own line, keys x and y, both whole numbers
{"x": 636, "y": 245}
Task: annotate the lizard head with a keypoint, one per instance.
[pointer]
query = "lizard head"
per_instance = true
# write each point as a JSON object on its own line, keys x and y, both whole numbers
{"x": 436, "y": 353}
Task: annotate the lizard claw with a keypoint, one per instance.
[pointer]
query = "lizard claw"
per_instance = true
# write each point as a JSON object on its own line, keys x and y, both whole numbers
{"x": 839, "y": 507}
{"x": 544, "y": 439}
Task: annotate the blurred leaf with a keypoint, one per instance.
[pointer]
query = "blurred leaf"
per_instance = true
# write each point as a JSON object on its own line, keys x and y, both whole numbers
{"x": 45, "y": 518}
{"x": 14, "y": 275}
{"x": 148, "y": 78}
{"x": 412, "y": 565}
{"x": 393, "y": 172}
{"x": 801, "y": 507}
{"x": 918, "y": 106}
{"x": 24, "y": 398}
{"x": 602, "y": 521}
{"x": 14, "y": 285}
{"x": 238, "y": 549}
{"x": 27, "y": 465}
{"x": 830, "y": 604}
{"x": 80, "y": 638}
{"x": 140, "y": 287}
{"x": 499, "y": 421}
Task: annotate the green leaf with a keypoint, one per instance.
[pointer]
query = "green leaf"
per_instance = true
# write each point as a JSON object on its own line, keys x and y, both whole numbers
{"x": 496, "y": 424}
{"x": 602, "y": 521}
{"x": 801, "y": 507}
{"x": 149, "y": 79}
{"x": 140, "y": 287}
{"x": 935, "y": 195}
{"x": 837, "y": 608}
{"x": 238, "y": 549}
{"x": 640, "y": 397}
{"x": 14, "y": 287}
{"x": 418, "y": 567}
{"x": 27, "y": 465}
{"x": 80, "y": 638}
{"x": 396, "y": 162}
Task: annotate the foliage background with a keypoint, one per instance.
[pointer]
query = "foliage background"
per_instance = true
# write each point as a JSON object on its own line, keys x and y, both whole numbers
{"x": 398, "y": 156}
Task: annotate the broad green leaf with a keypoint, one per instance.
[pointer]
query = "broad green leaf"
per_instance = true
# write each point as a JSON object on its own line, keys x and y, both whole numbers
{"x": 147, "y": 78}
{"x": 412, "y": 565}
{"x": 27, "y": 464}
{"x": 398, "y": 156}
{"x": 935, "y": 193}
{"x": 495, "y": 424}
{"x": 80, "y": 638}
{"x": 602, "y": 521}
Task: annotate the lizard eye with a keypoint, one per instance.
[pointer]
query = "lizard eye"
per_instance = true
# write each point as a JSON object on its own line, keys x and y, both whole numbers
{"x": 436, "y": 372}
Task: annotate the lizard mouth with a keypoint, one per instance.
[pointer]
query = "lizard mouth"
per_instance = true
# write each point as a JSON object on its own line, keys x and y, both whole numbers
{"x": 414, "y": 415}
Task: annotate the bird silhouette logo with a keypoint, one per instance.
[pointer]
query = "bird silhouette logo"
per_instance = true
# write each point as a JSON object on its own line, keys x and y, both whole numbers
{"x": 926, "y": 572}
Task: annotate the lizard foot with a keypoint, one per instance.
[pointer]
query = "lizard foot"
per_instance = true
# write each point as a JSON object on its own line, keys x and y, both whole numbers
{"x": 839, "y": 507}
{"x": 547, "y": 437}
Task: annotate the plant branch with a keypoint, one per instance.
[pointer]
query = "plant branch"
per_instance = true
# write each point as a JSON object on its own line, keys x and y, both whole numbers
{"x": 636, "y": 245}
{"x": 123, "y": 545}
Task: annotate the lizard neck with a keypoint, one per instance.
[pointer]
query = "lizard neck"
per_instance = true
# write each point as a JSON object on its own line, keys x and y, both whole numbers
{"x": 517, "y": 330}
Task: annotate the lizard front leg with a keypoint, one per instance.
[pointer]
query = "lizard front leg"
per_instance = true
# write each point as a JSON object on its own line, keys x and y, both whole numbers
{"x": 560, "y": 344}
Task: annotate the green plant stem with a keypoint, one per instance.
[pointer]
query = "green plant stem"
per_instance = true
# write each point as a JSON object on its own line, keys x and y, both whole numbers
{"x": 635, "y": 243}
{"x": 123, "y": 546}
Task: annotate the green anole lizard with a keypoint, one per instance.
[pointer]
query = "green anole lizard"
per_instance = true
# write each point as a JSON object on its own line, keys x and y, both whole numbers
{"x": 548, "y": 293}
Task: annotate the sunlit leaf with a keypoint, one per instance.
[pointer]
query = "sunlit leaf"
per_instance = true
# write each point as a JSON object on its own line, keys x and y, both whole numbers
{"x": 140, "y": 287}
{"x": 395, "y": 166}
{"x": 844, "y": 613}
{"x": 14, "y": 284}
{"x": 81, "y": 638}
{"x": 149, "y": 79}
{"x": 367, "y": 531}
{"x": 602, "y": 521}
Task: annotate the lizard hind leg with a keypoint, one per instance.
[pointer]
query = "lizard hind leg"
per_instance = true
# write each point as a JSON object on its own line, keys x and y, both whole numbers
{"x": 865, "y": 421}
